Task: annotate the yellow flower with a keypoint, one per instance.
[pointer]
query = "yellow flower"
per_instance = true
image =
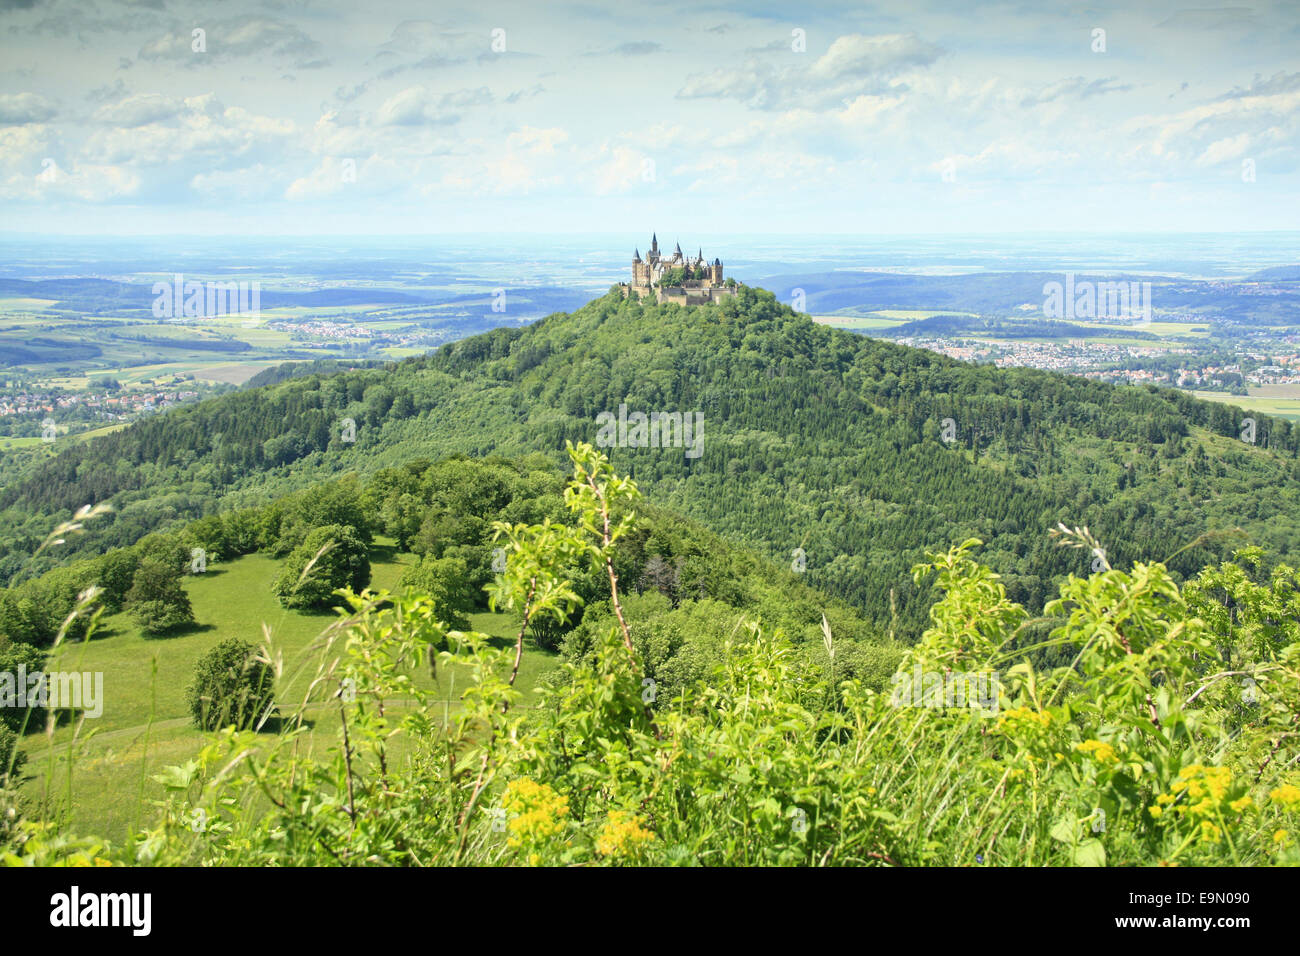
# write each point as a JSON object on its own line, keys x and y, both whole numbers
{"x": 536, "y": 813}
{"x": 622, "y": 835}
{"x": 1241, "y": 804}
{"x": 1155, "y": 810}
{"x": 1101, "y": 752}
{"x": 1209, "y": 832}
{"x": 1280, "y": 836}
{"x": 1288, "y": 795}
{"x": 1024, "y": 716}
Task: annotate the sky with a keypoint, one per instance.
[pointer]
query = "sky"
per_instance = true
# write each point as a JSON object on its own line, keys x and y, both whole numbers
{"x": 287, "y": 117}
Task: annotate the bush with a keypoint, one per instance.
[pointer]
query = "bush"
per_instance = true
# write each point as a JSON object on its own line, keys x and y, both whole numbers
{"x": 330, "y": 557}
{"x": 31, "y": 659}
{"x": 444, "y": 581}
{"x": 157, "y": 599}
{"x": 232, "y": 686}
{"x": 8, "y": 746}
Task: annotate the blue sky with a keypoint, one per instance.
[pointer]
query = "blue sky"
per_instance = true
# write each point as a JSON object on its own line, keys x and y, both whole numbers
{"x": 424, "y": 117}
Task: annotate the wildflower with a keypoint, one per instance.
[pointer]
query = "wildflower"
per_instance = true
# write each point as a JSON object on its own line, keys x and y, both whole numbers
{"x": 1155, "y": 810}
{"x": 1101, "y": 752}
{"x": 1287, "y": 795}
{"x": 536, "y": 813}
{"x": 1241, "y": 804}
{"x": 1280, "y": 836}
{"x": 1209, "y": 832}
{"x": 1024, "y": 716}
{"x": 622, "y": 835}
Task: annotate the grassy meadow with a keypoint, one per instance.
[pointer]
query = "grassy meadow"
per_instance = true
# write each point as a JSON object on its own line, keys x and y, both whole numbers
{"x": 146, "y": 724}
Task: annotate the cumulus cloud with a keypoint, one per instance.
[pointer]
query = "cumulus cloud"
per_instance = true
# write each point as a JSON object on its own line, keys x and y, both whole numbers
{"x": 140, "y": 109}
{"x": 161, "y": 131}
{"x": 19, "y": 109}
{"x": 1075, "y": 87}
{"x": 416, "y": 106}
{"x": 234, "y": 38}
{"x": 855, "y": 65}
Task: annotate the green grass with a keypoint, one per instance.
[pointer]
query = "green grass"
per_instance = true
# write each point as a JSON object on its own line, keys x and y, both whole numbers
{"x": 857, "y": 321}
{"x": 146, "y": 725}
{"x": 1259, "y": 401}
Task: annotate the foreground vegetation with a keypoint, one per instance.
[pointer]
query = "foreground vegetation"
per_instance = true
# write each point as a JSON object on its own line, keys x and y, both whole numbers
{"x": 1168, "y": 735}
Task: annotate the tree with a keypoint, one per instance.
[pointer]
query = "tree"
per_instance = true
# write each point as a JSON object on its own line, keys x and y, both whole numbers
{"x": 402, "y": 514}
{"x": 116, "y": 575}
{"x": 330, "y": 557}
{"x": 8, "y": 746}
{"x": 446, "y": 582}
{"x": 157, "y": 599}
{"x": 16, "y": 658}
{"x": 232, "y": 686}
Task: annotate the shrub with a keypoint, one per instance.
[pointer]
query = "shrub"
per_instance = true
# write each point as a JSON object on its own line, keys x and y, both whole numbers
{"x": 330, "y": 557}
{"x": 444, "y": 580}
{"x": 157, "y": 599}
{"x": 232, "y": 686}
{"x": 9, "y": 751}
{"x": 31, "y": 659}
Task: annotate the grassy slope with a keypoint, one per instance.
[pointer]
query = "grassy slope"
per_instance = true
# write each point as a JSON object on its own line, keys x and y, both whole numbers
{"x": 146, "y": 726}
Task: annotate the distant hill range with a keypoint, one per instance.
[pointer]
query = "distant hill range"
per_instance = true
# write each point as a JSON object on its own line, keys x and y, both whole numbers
{"x": 1007, "y": 293}
{"x": 106, "y": 296}
{"x": 938, "y": 326}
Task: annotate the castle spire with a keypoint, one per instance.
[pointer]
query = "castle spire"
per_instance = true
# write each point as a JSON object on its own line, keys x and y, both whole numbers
{"x": 636, "y": 255}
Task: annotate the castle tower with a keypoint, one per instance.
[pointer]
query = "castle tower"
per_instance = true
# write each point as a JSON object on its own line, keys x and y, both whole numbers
{"x": 640, "y": 272}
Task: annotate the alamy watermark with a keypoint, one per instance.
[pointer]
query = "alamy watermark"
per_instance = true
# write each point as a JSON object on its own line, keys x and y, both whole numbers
{"x": 946, "y": 689}
{"x": 179, "y": 299}
{"x": 57, "y": 690}
{"x": 1086, "y": 299}
{"x": 653, "y": 430}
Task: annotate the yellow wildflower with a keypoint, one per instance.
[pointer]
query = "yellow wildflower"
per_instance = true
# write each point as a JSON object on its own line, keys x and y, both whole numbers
{"x": 536, "y": 813}
{"x": 622, "y": 835}
{"x": 1288, "y": 795}
{"x": 1101, "y": 752}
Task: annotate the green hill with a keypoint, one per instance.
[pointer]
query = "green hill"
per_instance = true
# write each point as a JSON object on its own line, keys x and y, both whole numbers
{"x": 813, "y": 438}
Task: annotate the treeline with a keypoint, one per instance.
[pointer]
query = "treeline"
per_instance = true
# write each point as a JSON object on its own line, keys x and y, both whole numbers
{"x": 443, "y": 512}
{"x": 275, "y": 374}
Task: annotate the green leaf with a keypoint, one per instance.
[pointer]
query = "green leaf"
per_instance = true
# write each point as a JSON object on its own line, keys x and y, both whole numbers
{"x": 1090, "y": 853}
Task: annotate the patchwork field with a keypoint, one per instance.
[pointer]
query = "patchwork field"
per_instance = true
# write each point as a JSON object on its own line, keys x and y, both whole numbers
{"x": 1280, "y": 400}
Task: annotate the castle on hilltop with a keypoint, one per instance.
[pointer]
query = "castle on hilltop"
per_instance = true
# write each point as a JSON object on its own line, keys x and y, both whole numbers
{"x": 677, "y": 278}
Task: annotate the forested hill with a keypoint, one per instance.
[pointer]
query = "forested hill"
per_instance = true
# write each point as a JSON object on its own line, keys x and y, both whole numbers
{"x": 813, "y": 438}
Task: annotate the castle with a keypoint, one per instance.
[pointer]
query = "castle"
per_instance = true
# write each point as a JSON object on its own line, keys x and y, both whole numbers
{"x": 677, "y": 279}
